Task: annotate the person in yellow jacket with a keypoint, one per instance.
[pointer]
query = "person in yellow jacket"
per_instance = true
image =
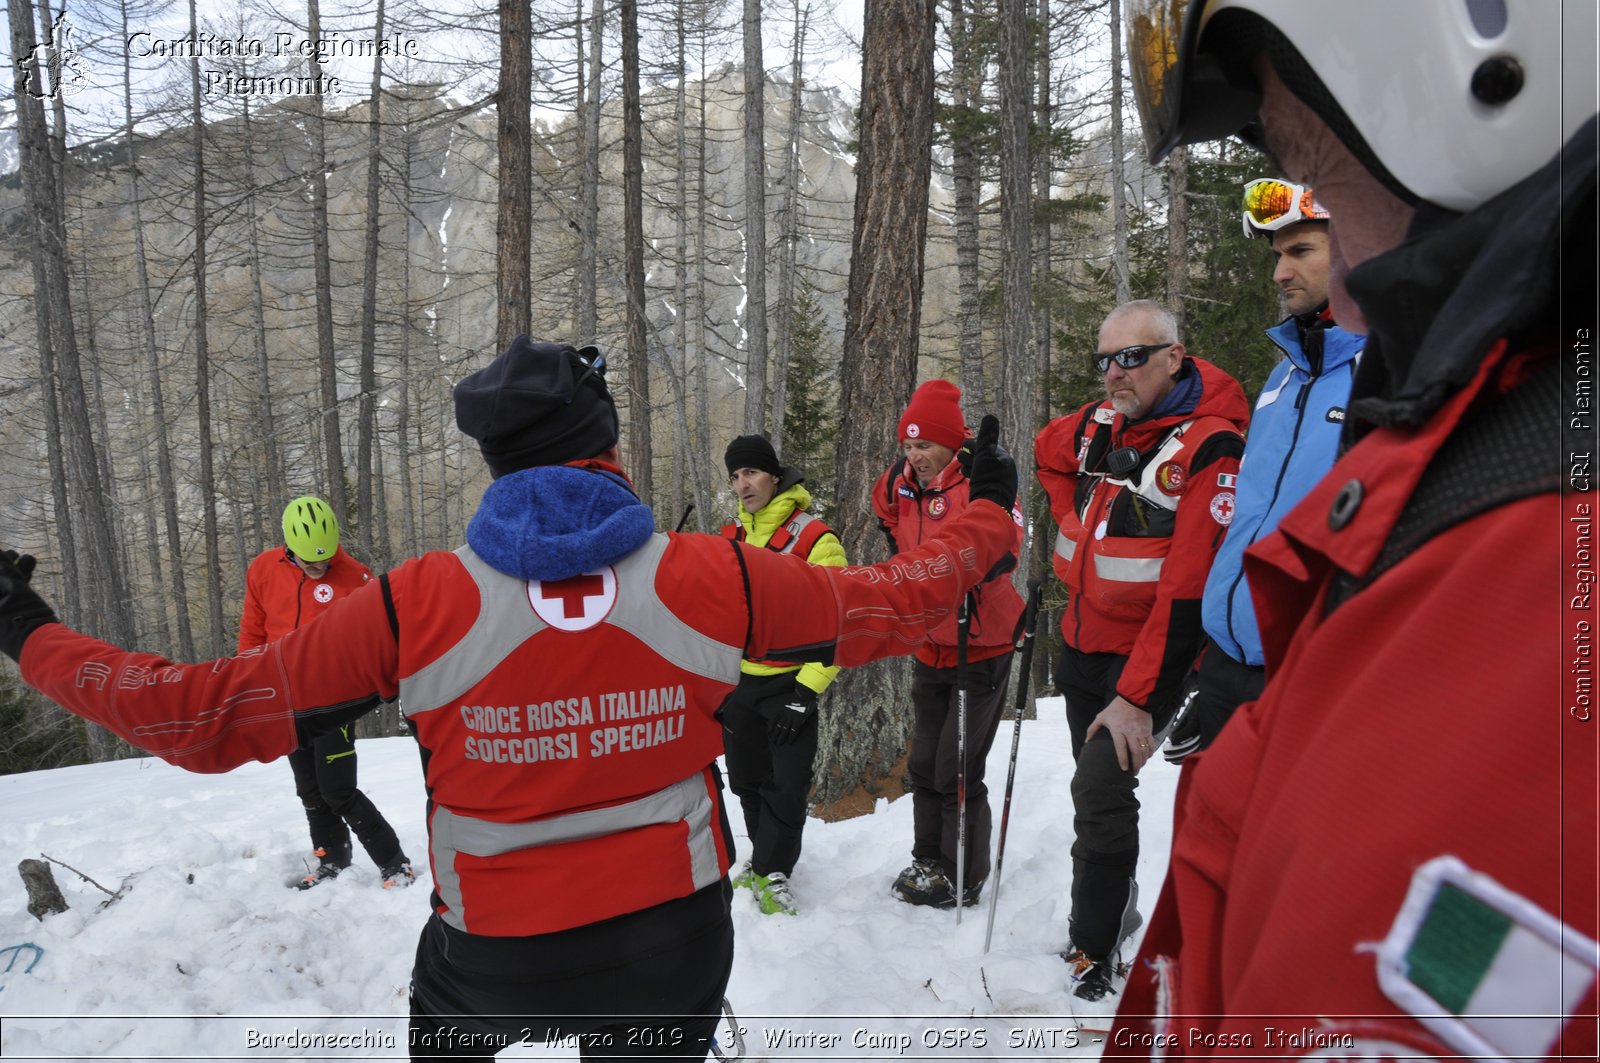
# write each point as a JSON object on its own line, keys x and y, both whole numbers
{"x": 769, "y": 722}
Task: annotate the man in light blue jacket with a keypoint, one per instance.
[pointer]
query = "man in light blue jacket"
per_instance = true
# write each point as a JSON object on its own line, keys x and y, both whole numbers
{"x": 1293, "y": 441}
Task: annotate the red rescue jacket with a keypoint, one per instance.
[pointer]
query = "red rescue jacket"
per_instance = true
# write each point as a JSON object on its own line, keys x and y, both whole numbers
{"x": 1134, "y": 551}
{"x": 912, "y": 515}
{"x": 279, "y": 597}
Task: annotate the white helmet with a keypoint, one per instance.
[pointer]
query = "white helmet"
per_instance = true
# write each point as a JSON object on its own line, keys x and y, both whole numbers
{"x": 1447, "y": 101}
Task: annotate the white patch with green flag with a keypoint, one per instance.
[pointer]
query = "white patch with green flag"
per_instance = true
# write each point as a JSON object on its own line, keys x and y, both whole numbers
{"x": 1486, "y": 970}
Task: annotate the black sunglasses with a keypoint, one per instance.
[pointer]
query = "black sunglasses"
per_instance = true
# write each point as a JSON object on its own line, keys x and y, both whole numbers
{"x": 1129, "y": 357}
{"x": 591, "y": 366}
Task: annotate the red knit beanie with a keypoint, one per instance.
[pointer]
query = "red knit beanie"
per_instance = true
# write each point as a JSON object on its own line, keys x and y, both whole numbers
{"x": 935, "y": 414}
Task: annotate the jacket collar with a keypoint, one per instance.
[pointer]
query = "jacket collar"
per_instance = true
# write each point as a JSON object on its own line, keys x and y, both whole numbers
{"x": 1438, "y": 302}
{"x": 760, "y": 525}
{"x": 554, "y": 522}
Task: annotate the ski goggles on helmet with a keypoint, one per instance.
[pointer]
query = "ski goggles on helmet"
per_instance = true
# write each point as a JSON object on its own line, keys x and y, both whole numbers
{"x": 1271, "y": 204}
{"x": 1129, "y": 357}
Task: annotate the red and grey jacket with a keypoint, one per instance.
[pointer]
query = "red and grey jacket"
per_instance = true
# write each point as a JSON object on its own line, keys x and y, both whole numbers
{"x": 1340, "y": 872}
{"x": 911, "y": 514}
{"x": 1141, "y": 509}
{"x": 563, "y": 673}
{"x": 279, "y": 597}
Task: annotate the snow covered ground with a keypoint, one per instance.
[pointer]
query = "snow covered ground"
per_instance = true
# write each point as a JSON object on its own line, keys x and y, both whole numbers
{"x": 207, "y": 955}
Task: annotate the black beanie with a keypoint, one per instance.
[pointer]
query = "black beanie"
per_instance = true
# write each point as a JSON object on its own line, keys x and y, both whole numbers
{"x": 537, "y": 404}
{"x": 752, "y": 452}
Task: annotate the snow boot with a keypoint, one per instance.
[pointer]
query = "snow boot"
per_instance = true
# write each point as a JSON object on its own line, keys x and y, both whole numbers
{"x": 398, "y": 875}
{"x": 746, "y": 878}
{"x": 925, "y": 883}
{"x": 329, "y": 865}
{"x": 773, "y": 895}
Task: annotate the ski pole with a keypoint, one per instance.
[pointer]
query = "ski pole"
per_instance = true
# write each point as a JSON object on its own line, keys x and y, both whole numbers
{"x": 1030, "y": 617}
{"x": 685, "y": 518}
{"x": 963, "y": 622}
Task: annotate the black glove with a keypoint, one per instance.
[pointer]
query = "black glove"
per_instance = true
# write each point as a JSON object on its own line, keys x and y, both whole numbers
{"x": 1199, "y": 722}
{"x": 22, "y": 612}
{"x": 994, "y": 471}
{"x": 791, "y": 714}
{"x": 964, "y": 456}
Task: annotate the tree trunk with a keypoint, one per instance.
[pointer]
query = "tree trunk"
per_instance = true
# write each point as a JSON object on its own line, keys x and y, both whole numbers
{"x": 789, "y": 237}
{"x": 1017, "y": 397}
{"x": 639, "y": 443}
{"x": 368, "y": 406}
{"x": 1039, "y": 511}
{"x": 755, "y": 222}
{"x": 966, "y": 77}
{"x": 1178, "y": 234}
{"x": 864, "y": 735}
{"x": 589, "y": 194}
{"x": 327, "y": 356}
{"x": 514, "y": 250}
{"x": 1119, "y": 179}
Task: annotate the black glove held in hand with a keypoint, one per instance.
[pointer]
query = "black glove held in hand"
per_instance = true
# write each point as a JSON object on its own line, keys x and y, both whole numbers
{"x": 22, "y": 612}
{"x": 792, "y": 714}
{"x": 994, "y": 471}
{"x": 1199, "y": 722}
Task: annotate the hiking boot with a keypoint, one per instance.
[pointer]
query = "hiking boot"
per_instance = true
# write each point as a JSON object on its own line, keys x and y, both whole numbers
{"x": 772, "y": 893}
{"x": 746, "y": 878}
{"x": 327, "y": 867}
{"x": 1089, "y": 978}
{"x": 933, "y": 888}
{"x": 398, "y": 875}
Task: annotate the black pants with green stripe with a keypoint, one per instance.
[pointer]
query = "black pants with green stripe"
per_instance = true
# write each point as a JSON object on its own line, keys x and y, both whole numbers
{"x": 325, "y": 780}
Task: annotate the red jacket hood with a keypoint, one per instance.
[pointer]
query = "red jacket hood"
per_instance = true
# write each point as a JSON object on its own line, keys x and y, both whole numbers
{"x": 1220, "y": 396}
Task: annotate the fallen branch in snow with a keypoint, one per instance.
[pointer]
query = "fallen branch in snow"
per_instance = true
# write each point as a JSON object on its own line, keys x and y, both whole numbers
{"x": 86, "y": 878}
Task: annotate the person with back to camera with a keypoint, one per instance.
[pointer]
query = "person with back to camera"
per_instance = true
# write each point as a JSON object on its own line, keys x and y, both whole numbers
{"x": 286, "y": 588}
{"x": 562, "y": 672}
{"x": 769, "y": 722}
{"x": 1393, "y": 851}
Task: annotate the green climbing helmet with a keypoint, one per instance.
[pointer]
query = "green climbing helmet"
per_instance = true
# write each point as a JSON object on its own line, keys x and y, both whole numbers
{"x": 311, "y": 529}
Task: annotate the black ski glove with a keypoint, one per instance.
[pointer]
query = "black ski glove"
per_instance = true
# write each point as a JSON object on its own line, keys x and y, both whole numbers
{"x": 994, "y": 471}
{"x": 1199, "y": 722}
{"x": 22, "y": 611}
{"x": 792, "y": 714}
{"x": 964, "y": 456}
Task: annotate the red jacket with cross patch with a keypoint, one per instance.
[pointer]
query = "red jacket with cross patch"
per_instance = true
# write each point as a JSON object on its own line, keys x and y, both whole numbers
{"x": 1134, "y": 549}
{"x": 279, "y": 597}
{"x": 569, "y": 724}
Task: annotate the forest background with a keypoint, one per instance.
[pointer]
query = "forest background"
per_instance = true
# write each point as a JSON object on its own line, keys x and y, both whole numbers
{"x": 221, "y": 288}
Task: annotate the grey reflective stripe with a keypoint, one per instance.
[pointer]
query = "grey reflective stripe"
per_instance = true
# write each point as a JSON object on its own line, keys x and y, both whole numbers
{"x": 1128, "y": 569}
{"x": 505, "y": 621}
{"x": 640, "y": 612}
{"x": 1065, "y": 547}
{"x": 686, "y": 801}
{"x": 796, "y": 525}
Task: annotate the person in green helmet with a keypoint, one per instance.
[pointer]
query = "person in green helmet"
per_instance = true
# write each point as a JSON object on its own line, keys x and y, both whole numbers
{"x": 286, "y": 588}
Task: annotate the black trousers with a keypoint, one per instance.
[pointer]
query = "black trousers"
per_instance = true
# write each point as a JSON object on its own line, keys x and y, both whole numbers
{"x": 325, "y": 780}
{"x": 772, "y": 782}
{"x": 1105, "y": 849}
{"x": 931, "y": 766}
{"x": 647, "y": 985}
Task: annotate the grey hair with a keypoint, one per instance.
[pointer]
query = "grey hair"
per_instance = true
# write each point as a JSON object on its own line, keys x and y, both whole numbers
{"x": 1163, "y": 325}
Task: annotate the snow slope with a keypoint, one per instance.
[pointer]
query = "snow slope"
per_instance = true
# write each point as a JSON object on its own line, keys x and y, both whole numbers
{"x": 207, "y": 955}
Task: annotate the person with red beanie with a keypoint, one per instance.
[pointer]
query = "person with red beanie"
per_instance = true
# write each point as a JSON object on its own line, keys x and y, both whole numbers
{"x": 914, "y": 500}
{"x": 561, "y": 672}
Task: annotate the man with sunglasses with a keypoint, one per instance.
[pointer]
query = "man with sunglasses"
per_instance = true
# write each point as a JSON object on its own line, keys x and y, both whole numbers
{"x": 1141, "y": 486}
{"x": 562, "y": 672}
{"x": 1393, "y": 851}
{"x": 286, "y": 588}
{"x": 1294, "y": 439}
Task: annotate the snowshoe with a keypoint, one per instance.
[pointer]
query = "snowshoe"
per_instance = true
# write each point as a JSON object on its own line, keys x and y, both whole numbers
{"x": 746, "y": 878}
{"x": 925, "y": 883}
{"x": 1092, "y": 979}
{"x": 327, "y": 868}
{"x": 398, "y": 875}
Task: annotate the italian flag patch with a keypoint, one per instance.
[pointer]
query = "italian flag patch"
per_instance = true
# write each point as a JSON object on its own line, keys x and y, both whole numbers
{"x": 1484, "y": 969}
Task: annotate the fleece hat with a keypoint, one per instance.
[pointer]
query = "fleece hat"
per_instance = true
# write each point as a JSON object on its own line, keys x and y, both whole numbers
{"x": 935, "y": 414}
{"x": 752, "y": 452}
{"x": 538, "y": 404}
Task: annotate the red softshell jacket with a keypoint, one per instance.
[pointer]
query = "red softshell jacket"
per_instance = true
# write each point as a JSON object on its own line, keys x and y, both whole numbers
{"x": 278, "y": 597}
{"x": 913, "y": 515}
